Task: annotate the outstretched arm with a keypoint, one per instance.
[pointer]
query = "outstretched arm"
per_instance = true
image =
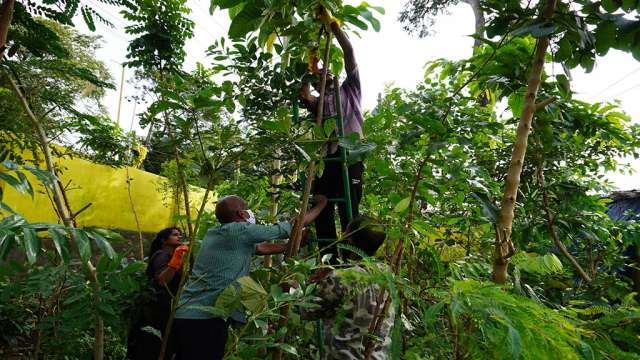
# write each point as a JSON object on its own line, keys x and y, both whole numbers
{"x": 270, "y": 249}
{"x": 309, "y": 101}
{"x": 310, "y": 216}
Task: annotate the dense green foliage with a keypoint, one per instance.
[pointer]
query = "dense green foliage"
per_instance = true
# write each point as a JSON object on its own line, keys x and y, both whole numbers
{"x": 436, "y": 160}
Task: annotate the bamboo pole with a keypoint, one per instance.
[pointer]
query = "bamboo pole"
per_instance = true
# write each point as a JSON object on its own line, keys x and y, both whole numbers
{"x": 120, "y": 95}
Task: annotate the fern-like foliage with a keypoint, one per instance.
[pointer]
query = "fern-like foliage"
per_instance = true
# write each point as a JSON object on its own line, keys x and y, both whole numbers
{"x": 478, "y": 320}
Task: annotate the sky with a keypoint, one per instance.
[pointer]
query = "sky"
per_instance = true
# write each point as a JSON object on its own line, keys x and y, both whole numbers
{"x": 390, "y": 56}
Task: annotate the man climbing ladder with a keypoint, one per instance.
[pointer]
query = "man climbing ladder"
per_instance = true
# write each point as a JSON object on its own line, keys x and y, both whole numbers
{"x": 331, "y": 183}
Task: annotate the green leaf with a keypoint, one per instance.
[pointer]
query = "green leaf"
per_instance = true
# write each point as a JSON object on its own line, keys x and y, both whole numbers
{"x": 61, "y": 243}
{"x": 107, "y": 234}
{"x": 369, "y": 17}
{"x": 288, "y": 348}
{"x": 104, "y": 245}
{"x": 32, "y": 244}
{"x": 515, "y": 343}
{"x": 605, "y": 35}
{"x": 245, "y": 21}
{"x": 83, "y": 243}
{"x": 565, "y": 49}
{"x": 153, "y": 331}
{"x": 563, "y": 85}
{"x": 44, "y": 176}
{"x": 611, "y": 5}
{"x": 536, "y": 29}
{"x": 302, "y": 152}
{"x": 25, "y": 183}
{"x": 489, "y": 210}
{"x": 229, "y": 104}
{"x": 516, "y": 103}
{"x": 252, "y": 295}
{"x": 225, "y": 4}
{"x": 402, "y": 205}
{"x": 16, "y": 183}
{"x": 629, "y": 5}
{"x": 533, "y": 263}
{"x": 227, "y": 302}
{"x": 355, "y": 21}
{"x": 329, "y": 126}
{"x": 7, "y": 240}
{"x": 134, "y": 267}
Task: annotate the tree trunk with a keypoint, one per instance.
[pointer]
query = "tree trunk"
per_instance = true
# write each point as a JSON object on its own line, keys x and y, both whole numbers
{"x": 478, "y": 14}
{"x": 6, "y": 14}
{"x": 275, "y": 181}
{"x": 504, "y": 248}
{"x": 64, "y": 212}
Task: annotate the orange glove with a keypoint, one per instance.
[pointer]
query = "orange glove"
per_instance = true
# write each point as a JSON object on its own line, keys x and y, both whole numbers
{"x": 176, "y": 260}
{"x": 312, "y": 60}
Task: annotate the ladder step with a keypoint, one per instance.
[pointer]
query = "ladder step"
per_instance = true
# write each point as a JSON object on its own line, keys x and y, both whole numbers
{"x": 337, "y": 200}
{"x": 323, "y": 240}
{"x": 334, "y": 159}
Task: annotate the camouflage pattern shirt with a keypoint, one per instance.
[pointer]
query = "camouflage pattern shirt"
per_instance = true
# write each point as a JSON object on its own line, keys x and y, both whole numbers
{"x": 347, "y": 310}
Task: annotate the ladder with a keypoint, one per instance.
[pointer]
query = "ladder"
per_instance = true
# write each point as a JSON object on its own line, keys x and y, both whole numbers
{"x": 342, "y": 157}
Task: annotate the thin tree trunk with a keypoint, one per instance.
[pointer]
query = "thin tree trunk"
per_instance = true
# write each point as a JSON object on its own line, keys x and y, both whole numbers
{"x": 478, "y": 15}
{"x": 63, "y": 211}
{"x": 6, "y": 15}
{"x": 504, "y": 247}
{"x": 553, "y": 231}
{"x": 396, "y": 263}
{"x": 296, "y": 233}
{"x": 135, "y": 215}
{"x": 185, "y": 190}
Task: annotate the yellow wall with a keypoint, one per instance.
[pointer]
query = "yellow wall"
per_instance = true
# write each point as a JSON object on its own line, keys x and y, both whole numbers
{"x": 106, "y": 188}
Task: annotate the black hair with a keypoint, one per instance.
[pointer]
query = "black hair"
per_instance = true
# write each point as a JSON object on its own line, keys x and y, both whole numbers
{"x": 156, "y": 244}
{"x": 366, "y": 233}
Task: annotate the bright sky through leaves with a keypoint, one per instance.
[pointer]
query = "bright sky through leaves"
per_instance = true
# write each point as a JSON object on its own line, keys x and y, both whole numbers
{"x": 390, "y": 56}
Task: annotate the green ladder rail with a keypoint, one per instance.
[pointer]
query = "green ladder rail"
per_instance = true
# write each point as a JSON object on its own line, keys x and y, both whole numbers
{"x": 346, "y": 199}
{"x": 342, "y": 158}
{"x": 346, "y": 184}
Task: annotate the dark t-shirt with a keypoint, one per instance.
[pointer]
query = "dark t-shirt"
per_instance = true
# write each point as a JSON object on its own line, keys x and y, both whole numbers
{"x": 157, "y": 264}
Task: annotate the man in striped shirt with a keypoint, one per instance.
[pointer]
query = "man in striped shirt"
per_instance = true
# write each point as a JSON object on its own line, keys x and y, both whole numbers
{"x": 225, "y": 255}
{"x": 331, "y": 182}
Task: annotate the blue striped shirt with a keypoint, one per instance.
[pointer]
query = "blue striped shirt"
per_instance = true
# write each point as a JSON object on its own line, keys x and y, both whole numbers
{"x": 225, "y": 255}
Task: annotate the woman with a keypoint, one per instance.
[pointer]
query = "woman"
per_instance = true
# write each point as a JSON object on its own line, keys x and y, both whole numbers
{"x": 164, "y": 271}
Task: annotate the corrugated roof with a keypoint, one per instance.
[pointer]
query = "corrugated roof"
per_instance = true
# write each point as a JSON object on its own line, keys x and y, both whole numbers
{"x": 625, "y": 205}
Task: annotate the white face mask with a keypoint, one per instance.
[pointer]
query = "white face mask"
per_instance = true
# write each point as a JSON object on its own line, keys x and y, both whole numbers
{"x": 252, "y": 218}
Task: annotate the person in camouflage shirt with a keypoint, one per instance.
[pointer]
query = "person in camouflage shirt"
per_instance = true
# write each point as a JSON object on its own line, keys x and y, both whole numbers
{"x": 348, "y": 307}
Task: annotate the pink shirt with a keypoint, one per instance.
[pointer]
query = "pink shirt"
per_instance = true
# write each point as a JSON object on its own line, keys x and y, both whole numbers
{"x": 350, "y": 98}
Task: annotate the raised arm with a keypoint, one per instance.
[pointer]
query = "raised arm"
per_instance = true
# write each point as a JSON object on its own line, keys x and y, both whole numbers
{"x": 347, "y": 49}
